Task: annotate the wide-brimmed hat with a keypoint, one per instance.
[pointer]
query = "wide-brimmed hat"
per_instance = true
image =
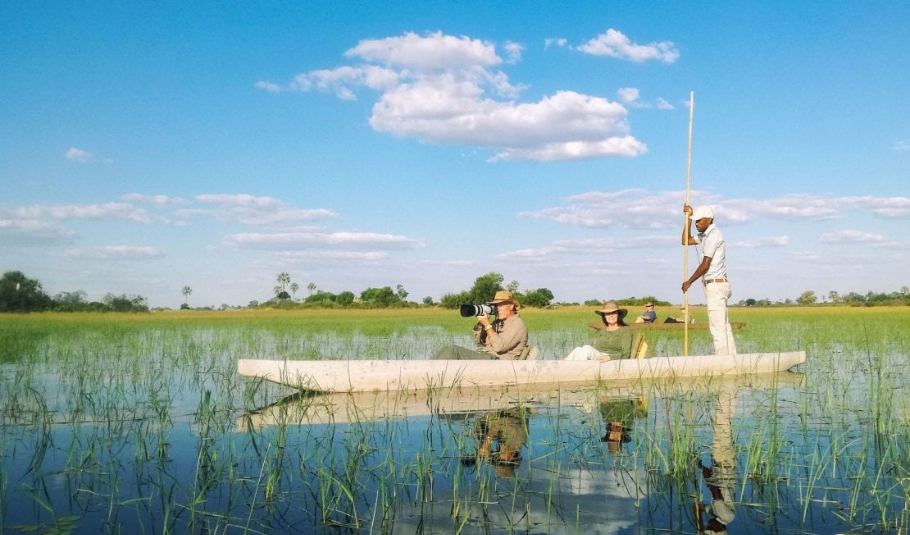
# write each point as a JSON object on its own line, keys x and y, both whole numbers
{"x": 702, "y": 212}
{"x": 504, "y": 296}
{"x": 610, "y": 307}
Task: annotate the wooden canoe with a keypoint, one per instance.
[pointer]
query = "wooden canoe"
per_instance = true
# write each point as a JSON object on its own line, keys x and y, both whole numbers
{"x": 600, "y": 325}
{"x": 308, "y": 408}
{"x": 379, "y": 375}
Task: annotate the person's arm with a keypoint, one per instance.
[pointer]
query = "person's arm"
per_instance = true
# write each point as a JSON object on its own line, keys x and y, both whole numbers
{"x": 512, "y": 334}
{"x": 626, "y": 341}
{"x": 699, "y": 271}
{"x": 687, "y": 238}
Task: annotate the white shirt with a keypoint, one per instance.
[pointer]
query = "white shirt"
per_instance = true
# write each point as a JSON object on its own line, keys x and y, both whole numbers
{"x": 713, "y": 246}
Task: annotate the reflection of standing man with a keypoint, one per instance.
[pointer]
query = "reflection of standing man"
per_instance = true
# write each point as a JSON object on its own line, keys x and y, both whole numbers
{"x": 720, "y": 478}
{"x": 713, "y": 269}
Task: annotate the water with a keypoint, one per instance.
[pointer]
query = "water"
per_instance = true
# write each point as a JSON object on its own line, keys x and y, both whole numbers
{"x": 153, "y": 432}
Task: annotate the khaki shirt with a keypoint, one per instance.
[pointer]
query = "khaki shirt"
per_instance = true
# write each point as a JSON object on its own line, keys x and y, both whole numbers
{"x": 510, "y": 340}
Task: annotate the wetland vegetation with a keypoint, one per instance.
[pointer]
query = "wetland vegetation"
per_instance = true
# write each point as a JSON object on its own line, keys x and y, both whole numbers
{"x": 124, "y": 423}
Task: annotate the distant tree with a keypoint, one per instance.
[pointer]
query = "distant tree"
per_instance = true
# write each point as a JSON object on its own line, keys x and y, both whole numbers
{"x": 593, "y": 303}
{"x": 451, "y": 300}
{"x": 539, "y": 298}
{"x": 512, "y": 287}
{"x": 428, "y": 301}
{"x": 18, "y": 293}
{"x": 401, "y": 292}
{"x": 379, "y": 297}
{"x": 70, "y": 301}
{"x": 253, "y": 304}
{"x": 294, "y": 287}
{"x": 311, "y": 288}
{"x": 345, "y": 298}
{"x": 750, "y": 302}
{"x": 485, "y": 287}
{"x": 833, "y": 296}
{"x": 125, "y": 303}
{"x": 283, "y": 281}
{"x": 186, "y": 293}
{"x": 807, "y": 298}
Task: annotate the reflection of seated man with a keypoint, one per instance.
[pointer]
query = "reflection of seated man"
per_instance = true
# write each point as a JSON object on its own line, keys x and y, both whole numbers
{"x": 504, "y": 338}
{"x": 617, "y": 416}
{"x": 648, "y": 316}
{"x": 508, "y": 430}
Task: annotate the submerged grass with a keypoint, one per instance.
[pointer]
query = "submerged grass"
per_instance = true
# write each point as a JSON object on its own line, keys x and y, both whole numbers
{"x": 129, "y": 423}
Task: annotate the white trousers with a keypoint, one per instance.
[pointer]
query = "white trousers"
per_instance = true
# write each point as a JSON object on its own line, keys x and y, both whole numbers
{"x": 585, "y": 352}
{"x": 716, "y": 295}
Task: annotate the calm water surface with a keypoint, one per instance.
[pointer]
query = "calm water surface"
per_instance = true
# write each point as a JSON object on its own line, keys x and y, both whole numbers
{"x": 153, "y": 432}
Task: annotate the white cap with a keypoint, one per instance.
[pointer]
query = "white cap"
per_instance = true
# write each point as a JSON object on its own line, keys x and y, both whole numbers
{"x": 702, "y": 212}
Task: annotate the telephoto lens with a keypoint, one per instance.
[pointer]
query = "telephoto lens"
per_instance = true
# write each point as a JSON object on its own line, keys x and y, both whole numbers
{"x": 476, "y": 310}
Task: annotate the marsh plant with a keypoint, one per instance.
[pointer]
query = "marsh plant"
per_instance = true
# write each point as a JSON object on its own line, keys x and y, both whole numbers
{"x": 140, "y": 424}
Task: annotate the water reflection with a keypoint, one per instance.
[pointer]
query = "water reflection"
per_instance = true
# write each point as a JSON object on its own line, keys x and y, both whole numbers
{"x": 721, "y": 475}
{"x": 618, "y": 415}
{"x": 501, "y": 435}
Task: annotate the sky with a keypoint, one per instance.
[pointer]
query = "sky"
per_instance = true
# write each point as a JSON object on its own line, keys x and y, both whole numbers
{"x": 150, "y": 146}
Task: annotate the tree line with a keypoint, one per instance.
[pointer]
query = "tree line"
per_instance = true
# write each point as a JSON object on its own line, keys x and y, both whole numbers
{"x": 18, "y": 293}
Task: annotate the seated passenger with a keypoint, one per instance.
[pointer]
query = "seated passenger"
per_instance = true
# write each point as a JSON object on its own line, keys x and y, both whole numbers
{"x": 613, "y": 341}
{"x": 505, "y": 338}
{"x": 648, "y": 316}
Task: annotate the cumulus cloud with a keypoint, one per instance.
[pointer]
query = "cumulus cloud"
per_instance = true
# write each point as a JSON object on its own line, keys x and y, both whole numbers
{"x": 631, "y": 97}
{"x": 34, "y": 232}
{"x": 79, "y": 155}
{"x": 902, "y": 145}
{"x": 157, "y": 200}
{"x": 639, "y": 208}
{"x": 758, "y": 243}
{"x": 555, "y": 41}
{"x": 852, "y": 236}
{"x": 335, "y": 256}
{"x": 116, "y": 252}
{"x": 110, "y": 210}
{"x": 257, "y": 211}
{"x": 441, "y": 89}
{"x": 615, "y": 44}
{"x": 299, "y": 240}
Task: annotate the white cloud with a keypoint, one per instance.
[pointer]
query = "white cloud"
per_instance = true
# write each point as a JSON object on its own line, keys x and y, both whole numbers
{"x": 117, "y": 252}
{"x": 554, "y": 41}
{"x": 79, "y": 155}
{"x": 632, "y": 98}
{"x": 158, "y": 200}
{"x": 852, "y": 236}
{"x": 33, "y": 232}
{"x": 297, "y": 240}
{"x": 257, "y": 211}
{"x": 758, "y": 243}
{"x": 902, "y": 145}
{"x": 616, "y": 45}
{"x": 441, "y": 89}
{"x": 110, "y": 210}
{"x": 339, "y": 256}
{"x": 432, "y": 52}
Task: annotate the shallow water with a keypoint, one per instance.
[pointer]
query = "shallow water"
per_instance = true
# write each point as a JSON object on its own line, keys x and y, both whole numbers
{"x": 152, "y": 431}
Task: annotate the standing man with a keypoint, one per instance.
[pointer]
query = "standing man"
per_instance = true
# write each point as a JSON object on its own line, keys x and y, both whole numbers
{"x": 713, "y": 269}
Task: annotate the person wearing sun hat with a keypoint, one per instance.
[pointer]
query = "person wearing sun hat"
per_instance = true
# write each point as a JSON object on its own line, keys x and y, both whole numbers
{"x": 613, "y": 341}
{"x": 505, "y": 338}
{"x": 713, "y": 272}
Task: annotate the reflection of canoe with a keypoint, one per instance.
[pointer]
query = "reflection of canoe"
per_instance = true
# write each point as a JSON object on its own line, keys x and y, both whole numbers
{"x": 369, "y": 375}
{"x": 317, "y": 408}
{"x": 733, "y": 324}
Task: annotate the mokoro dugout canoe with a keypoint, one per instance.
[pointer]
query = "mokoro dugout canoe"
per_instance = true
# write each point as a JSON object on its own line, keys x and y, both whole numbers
{"x": 733, "y": 324}
{"x": 379, "y": 375}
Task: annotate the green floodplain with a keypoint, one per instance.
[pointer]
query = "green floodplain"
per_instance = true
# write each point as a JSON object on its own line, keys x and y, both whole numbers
{"x": 139, "y": 423}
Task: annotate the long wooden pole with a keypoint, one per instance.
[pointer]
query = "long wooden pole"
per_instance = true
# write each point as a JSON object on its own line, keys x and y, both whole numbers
{"x": 685, "y": 223}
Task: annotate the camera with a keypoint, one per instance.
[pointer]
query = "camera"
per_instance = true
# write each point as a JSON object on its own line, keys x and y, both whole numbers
{"x": 477, "y": 310}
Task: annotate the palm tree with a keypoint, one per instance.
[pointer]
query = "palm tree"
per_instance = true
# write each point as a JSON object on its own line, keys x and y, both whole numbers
{"x": 294, "y": 287}
{"x": 311, "y": 287}
{"x": 186, "y": 293}
{"x": 283, "y": 280}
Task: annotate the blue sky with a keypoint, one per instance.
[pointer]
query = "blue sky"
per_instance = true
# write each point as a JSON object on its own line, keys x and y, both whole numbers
{"x": 150, "y": 146}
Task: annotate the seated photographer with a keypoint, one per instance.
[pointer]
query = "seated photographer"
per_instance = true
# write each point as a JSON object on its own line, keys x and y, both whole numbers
{"x": 504, "y": 338}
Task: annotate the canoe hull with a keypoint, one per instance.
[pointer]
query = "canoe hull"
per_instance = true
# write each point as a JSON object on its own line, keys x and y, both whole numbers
{"x": 382, "y": 375}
